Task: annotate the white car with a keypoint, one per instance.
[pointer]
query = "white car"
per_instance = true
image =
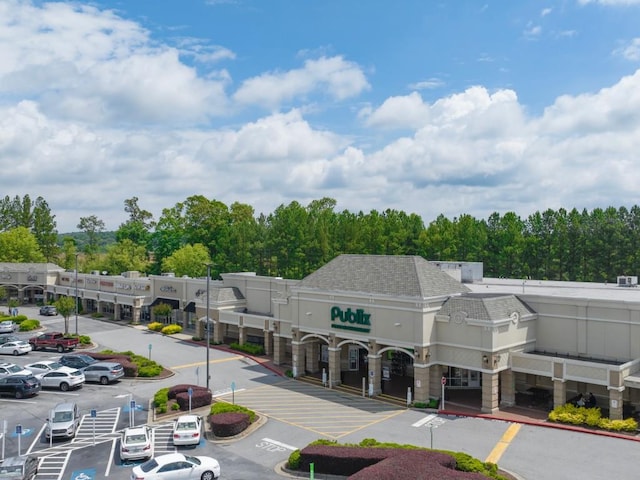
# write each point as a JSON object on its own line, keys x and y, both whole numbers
{"x": 176, "y": 466}
{"x": 187, "y": 430}
{"x": 7, "y": 369}
{"x": 63, "y": 378}
{"x": 18, "y": 347}
{"x": 136, "y": 443}
{"x": 46, "y": 366}
{"x": 8, "y": 326}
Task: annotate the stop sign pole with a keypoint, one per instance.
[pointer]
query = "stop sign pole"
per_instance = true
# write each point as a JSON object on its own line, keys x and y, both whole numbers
{"x": 444, "y": 382}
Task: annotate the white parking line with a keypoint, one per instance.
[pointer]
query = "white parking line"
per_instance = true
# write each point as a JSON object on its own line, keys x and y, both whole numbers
{"x": 111, "y": 455}
{"x": 424, "y": 420}
{"x": 280, "y": 444}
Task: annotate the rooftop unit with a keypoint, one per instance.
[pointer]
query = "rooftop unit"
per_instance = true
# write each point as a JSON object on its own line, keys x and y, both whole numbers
{"x": 625, "y": 281}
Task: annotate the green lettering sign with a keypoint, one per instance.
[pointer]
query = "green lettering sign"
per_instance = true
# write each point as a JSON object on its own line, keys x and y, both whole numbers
{"x": 357, "y": 321}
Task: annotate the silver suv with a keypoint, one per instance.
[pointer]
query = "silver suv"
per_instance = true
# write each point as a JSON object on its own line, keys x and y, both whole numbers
{"x": 64, "y": 421}
{"x": 103, "y": 372}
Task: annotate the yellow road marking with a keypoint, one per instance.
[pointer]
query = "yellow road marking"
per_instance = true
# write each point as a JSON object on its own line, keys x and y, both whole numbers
{"x": 503, "y": 443}
{"x": 197, "y": 364}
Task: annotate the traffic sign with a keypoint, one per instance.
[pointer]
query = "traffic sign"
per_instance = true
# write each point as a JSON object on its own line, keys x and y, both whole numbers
{"x": 190, "y": 391}
{"x": 18, "y": 429}
{"x": 94, "y": 413}
{"x": 132, "y": 405}
{"x": 444, "y": 380}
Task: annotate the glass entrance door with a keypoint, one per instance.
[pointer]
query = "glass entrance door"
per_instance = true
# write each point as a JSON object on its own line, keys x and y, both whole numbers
{"x": 354, "y": 357}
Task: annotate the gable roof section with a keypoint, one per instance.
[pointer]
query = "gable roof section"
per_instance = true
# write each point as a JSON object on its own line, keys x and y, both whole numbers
{"x": 393, "y": 275}
{"x": 486, "y": 307}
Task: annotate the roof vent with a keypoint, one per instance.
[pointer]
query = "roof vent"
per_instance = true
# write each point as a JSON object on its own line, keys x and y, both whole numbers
{"x": 624, "y": 281}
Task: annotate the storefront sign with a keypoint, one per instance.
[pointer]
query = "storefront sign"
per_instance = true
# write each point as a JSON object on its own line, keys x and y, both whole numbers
{"x": 357, "y": 321}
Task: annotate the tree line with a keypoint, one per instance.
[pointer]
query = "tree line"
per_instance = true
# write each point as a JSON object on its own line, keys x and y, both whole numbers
{"x": 295, "y": 240}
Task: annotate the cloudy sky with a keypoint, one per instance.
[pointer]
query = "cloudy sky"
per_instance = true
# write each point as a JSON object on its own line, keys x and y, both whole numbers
{"x": 429, "y": 107}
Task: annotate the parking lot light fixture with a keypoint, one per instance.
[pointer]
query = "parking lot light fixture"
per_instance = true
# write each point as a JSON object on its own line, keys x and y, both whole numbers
{"x": 76, "y": 302}
{"x": 207, "y": 324}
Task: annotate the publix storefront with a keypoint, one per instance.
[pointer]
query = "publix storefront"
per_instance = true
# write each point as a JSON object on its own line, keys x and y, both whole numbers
{"x": 379, "y": 319}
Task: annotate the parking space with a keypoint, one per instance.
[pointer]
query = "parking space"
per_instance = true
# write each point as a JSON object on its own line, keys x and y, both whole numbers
{"x": 328, "y": 412}
{"x": 162, "y": 439}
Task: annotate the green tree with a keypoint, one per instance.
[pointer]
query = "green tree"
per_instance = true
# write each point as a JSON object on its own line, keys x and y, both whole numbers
{"x": 20, "y": 246}
{"x": 189, "y": 260}
{"x": 92, "y": 226}
{"x": 66, "y": 306}
{"x": 139, "y": 225}
{"x": 163, "y": 310}
{"x": 44, "y": 229}
{"x": 124, "y": 256}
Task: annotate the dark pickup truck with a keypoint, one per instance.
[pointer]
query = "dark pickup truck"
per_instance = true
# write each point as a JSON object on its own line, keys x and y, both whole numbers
{"x": 55, "y": 340}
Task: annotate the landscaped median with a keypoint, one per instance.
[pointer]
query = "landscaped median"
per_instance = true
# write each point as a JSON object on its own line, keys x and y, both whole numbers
{"x": 134, "y": 365}
{"x": 390, "y": 461}
{"x": 224, "y": 420}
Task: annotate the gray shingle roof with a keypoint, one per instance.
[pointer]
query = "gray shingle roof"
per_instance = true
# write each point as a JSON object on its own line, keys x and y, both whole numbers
{"x": 486, "y": 307}
{"x": 395, "y": 275}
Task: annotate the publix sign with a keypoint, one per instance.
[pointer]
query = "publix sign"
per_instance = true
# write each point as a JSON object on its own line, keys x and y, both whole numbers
{"x": 357, "y": 321}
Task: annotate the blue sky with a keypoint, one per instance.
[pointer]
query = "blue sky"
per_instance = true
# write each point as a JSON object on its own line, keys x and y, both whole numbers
{"x": 428, "y": 107}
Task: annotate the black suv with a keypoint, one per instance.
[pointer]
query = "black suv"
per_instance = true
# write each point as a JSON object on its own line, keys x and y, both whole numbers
{"x": 19, "y": 386}
{"x": 77, "y": 360}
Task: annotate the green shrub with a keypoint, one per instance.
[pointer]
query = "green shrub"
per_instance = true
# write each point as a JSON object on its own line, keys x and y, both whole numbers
{"x": 160, "y": 400}
{"x": 28, "y": 325}
{"x": 97, "y": 315}
{"x": 149, "y": 371}
{"x": 19, "y": 319}
{"x": 224, "y": 407}
{"x": 171, "y": 329}
{"x": 155, "y": 326}
{"x": 294, "y": 460}
{"x": 591, "y": 417}
{"x": 289, "y": 373}
{"x": 175, "y": 406}
{"x": 627, "y": 425}
{"x": 251, "y": 348}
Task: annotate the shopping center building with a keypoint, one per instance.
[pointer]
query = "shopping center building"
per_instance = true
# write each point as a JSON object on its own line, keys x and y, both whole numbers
{"x": 397, "y": 323}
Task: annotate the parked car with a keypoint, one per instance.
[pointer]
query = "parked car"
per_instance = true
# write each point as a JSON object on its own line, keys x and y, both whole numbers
{"x": 17, "y": 347}
{"x": 64, "y": 421}
{"x": 24, "y": 467}
{"x": 48, "y": 310}
{"x": 19, "y": 386}
{"x": 103, "y": 372}
{"x": 187, "y": 430}
{"x": 136, "y": 444}
{"x": 44, "y": 366}
{"x": 177, "y": 466}
{"x": 8, "y": 326}
{"x": 7, "y": 369}
{"x": 55, "y": 340}
{"x": 77, "y": 360}
{"x": 63, "y": 379}
{"x": 8, "y": 338}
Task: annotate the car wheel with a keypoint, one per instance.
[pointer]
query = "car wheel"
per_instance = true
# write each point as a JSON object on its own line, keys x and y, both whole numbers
{"x": 208, "y": 475}
{"x": 60, "y": 349}
{"x": 64, "y": 386}
{"x": 16, "y": 353}
{"x": 104, "y": 381}
{"x": 19, "y": 394}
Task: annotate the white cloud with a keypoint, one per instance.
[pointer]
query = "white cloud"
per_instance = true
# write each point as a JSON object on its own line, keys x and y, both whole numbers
{"x": 427, "y": 84}
{"x": 546, "y": 11}
{"x": 408, "y": 111}
{"x": 337, "y": 78}
{"x": 630, "y": 51}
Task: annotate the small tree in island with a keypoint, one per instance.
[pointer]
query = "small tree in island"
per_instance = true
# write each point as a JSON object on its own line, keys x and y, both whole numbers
{"x": 65, "y": 306}
{"x": 163, "y": 310}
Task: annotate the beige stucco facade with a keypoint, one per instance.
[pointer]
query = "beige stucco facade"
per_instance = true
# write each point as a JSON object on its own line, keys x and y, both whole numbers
{"x": 383, "y": 320}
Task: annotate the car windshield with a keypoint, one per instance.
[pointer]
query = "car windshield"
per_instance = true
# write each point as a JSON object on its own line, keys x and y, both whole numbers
{"x": 62, "y": 417}
{"x": 75, "y": 373}
{"x": 55, "y": 366}
{"x": 149, "y": 465}
{"x": 191, "y": 459}
{"x": 186, "y": 426}
{"x": 14, "y": 369}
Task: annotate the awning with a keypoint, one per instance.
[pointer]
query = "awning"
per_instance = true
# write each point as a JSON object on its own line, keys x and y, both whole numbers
{"x": 169, "y": 301}
{"x": 191, "y": 307}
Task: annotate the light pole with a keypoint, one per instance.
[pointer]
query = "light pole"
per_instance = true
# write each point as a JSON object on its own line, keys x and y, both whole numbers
{"x": 76, "y": 302}
{"x": 208, "y": 325}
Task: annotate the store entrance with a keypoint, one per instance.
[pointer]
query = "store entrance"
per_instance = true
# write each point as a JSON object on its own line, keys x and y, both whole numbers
{"x": 462, "y": 377}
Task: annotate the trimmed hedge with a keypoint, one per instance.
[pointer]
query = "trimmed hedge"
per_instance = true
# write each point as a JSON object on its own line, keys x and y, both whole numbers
{"x": 171, "y": 329}
{"x": 229, "y": 424}
{"x": 160, "y": 400}
{"x": 224, "y": 407}
{"x": 155, "y": 326}
{"x": 28, "y": 325}
{"x": 251, "y": 348}
{"x": 183, "y": 388}
{"x": 590, "y": 417}
{"x": 199, "y": 398}
{"x": 389, "y": 461}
